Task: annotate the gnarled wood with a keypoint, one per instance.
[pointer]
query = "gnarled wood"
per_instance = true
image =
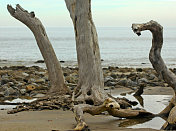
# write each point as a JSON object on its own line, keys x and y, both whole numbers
{"x": 109, "y": 105}
{"x": 91, "y": 81}
{"x": 157, "y": 61}
{"x": 47, "y": 51}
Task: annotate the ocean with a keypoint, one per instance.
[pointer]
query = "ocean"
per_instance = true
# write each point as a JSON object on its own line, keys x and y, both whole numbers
{"x": 119, "y": 46}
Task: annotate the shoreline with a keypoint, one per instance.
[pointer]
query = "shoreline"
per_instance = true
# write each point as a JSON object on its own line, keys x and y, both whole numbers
{"x": 73, "y": 64}
{"x": 118, "y": 81}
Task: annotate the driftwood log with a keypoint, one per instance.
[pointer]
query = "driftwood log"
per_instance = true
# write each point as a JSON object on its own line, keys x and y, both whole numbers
{"x": 91, "y": 81}
{"x": 53, "y": 65}
{"x": 109, "y": 105}
{"x": 159, "y": 65}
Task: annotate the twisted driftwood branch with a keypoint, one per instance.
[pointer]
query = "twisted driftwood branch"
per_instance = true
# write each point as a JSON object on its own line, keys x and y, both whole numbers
{"x": 47, "y": 51}
{"x": 109, "y": 105}
{"x": 158, "y": 63}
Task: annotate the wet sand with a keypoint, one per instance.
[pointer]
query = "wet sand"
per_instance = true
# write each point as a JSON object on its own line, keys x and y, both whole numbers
{"x": 58, "y": 120}
{"x": 55, "y": 120}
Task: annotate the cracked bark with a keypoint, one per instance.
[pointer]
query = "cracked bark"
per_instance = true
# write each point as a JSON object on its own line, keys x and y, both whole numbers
{"x": 158, "y": 63}
{"x": 53, "y": 65}
{"x": 91, "y": 81}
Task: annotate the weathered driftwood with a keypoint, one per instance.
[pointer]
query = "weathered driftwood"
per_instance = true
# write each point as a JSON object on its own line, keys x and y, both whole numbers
{"x": 91, "y": 81}
{"x": 170, "y": 123}
{"x": 109, "y": 105}
{"x": 47, "y": 51}
{"x": 157, "y": 61}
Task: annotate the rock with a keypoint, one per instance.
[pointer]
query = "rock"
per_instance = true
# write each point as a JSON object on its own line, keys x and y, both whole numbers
{"x": 113, "y": 75}
{"x": 106, "y": 88}
{"x": 65, "y": 74}
{"x": 4, "y": 81}
{"x": 40, "y": 81}
{"x": 39, "y": 95}
{"x": 122, "y": 82}
{"x": 111, "y": 68}
{"x": 70, "y": 79}
{"x": 40, "y": 61}
{"x": 110, "y": 83}
{"x": 143, "y": 80}
{"x": 23, "y": 91}
{"x": 131, "y": 83}
{"x": 2, "y": 94}
{"x": 19, "y": 84}
{"x": 151, "y": 77}
{"x": 31, "y": 80}
{"x": 139, "y": 69}
{"x": 25, "y": 74}
{"x": 10, "y": 91}
{"x": 11, "y": 84}
{"x": 62, "y": 61}
{"x": 30, "y": 87}
{"x": 108, "y": 78}
{"x": 40, "y": 74}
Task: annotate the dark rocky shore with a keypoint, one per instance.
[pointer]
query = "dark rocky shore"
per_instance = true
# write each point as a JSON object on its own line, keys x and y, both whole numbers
{"x": 18, "y": 81}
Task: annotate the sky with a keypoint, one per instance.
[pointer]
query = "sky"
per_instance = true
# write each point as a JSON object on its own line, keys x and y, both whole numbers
{"x": 106, "y": 13}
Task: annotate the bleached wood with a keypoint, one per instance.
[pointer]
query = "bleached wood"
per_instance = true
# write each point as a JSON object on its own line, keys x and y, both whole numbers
{"x": 91, "y": 81}
{"x": 53, "y": 65}
{"x": 109, "y": 105}
{"x": 157, "y": 61}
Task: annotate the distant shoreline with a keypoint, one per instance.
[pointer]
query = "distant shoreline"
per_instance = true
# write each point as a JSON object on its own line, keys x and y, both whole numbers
{"x": 105, "y": 64}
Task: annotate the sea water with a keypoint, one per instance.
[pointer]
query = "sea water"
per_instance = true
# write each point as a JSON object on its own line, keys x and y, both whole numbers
{"x": 119, "y": 46}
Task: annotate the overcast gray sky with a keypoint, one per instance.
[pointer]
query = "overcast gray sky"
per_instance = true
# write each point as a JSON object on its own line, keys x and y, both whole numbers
{"x": 106, "y": 13}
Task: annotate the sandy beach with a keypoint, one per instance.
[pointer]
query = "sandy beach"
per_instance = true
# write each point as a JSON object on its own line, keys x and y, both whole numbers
{"x": 118, "y": 82}
{"x": 58, "y": 120}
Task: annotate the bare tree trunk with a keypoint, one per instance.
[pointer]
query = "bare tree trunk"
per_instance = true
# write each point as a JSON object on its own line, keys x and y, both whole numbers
{"x": 91, "y": 81}
{"x": 52, "y": 63}
{"x": 156, "y": 59}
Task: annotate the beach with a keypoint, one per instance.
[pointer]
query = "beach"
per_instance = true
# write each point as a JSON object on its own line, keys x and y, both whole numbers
{"x": 125, "y": 65}
{"x": 119, "y": 82}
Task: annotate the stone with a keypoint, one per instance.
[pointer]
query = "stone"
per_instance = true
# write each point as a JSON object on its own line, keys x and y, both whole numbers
{"x": 108, "y": 78}
{"x": 25, "y": 74}
{"x": 40, "y": 61}
{"x": 131, "y": 83}
{"x": 23, "y": 91}
{"x": 139, "y": 69}
{"x": 31, "y": 80}
{"x": 4, "y": 81}
{"x": 30, "y": 87}
{"x": 2, "y": 94}
{"x": 110, "y": 83}
{"x": 151, "y": 77}
{"x": 11, "y": 84}
{"x": 10, "y": 91}
{"x": 39, "y": 95}
{"x": 62, "y": 61}
{"x": 122, "y": 82}
{"x": 70, "y": 79}
{"x": 143, "y": 80}
{"x": 41, "y": 81}
{"x": 113, "y": 75}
